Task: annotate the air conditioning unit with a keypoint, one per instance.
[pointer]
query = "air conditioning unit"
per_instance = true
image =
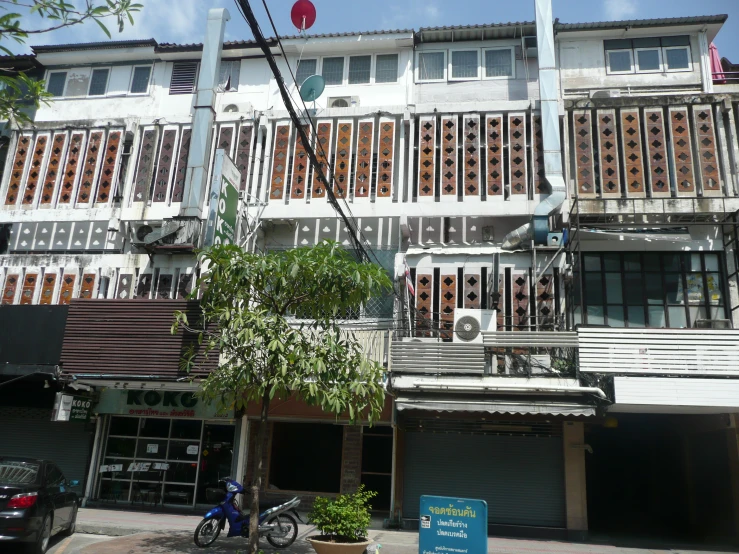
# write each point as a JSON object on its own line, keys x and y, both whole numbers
{"x": 343, "y": 102}
{"x": 611, "y": 93}
{"x": 530, "y": 46}
{"x": 540, "y": 364}
{"x": 242, "y": 107}
{"x": 713, "y": 324}
{"x": 469, "y": 324}
{"x": 139, "y": 231}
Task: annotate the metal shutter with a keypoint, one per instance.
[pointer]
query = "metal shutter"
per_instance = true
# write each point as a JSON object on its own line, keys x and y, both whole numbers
{"x": 521, "y": 478}
{"x": 29, "y": 432}
{"x": 183, "y": 78}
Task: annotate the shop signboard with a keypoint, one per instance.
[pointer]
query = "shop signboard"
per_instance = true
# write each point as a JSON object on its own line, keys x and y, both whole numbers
{"x": 453, "y": 525}
{"x": 68, "y": 407}
{"x": 158, "y": 403}
{"x": 224, "y": 201}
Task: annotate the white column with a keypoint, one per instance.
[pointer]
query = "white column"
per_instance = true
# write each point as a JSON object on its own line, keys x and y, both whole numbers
{"x": 243, "y": 453}
{"x": 95, "y": 458}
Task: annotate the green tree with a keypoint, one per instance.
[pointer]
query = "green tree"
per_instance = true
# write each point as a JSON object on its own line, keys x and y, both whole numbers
{"x": 247, "y": 301}
{"x": 17, "y": 90}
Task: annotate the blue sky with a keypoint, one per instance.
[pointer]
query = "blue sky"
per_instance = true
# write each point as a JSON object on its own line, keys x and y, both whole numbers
{"x": 183, "y": 21}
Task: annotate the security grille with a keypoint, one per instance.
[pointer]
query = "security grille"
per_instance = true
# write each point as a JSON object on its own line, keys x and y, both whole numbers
{"x": 476, "y": 427}
{"x": 183, "y": 78}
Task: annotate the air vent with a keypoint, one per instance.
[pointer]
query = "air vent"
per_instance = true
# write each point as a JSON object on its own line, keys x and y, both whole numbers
{"x": 343, "y": 102}
{"x": 184, "y": 75}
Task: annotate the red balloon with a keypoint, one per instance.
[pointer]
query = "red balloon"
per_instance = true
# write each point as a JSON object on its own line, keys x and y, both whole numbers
{"x": 303, "y": 14}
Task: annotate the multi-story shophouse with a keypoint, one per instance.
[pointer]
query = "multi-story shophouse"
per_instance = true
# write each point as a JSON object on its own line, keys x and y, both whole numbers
{"x": 562, "y": 196}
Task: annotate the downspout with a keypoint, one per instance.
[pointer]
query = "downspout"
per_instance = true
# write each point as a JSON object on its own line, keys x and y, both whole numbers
{"x": 538, "y": 228}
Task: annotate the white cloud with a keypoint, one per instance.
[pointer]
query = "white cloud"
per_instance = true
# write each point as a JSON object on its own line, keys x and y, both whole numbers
{"x": 412, "y": 14}
{"x": 619, "y": 9}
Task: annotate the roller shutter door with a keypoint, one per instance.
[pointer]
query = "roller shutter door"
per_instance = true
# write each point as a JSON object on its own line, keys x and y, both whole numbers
{"x": 520, "y": 477}
{"x": 29, "y": 432}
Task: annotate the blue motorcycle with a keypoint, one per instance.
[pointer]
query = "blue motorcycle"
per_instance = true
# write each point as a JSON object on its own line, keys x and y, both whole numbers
{"x": 276, "y": 524}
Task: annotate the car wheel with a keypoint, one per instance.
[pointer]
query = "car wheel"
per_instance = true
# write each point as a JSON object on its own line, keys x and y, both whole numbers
{"x": 42, "y": 540}
{"x": 72, "y": 524}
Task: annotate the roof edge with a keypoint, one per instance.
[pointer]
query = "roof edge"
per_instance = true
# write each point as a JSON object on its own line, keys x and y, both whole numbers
{"x": 101, "y": 45}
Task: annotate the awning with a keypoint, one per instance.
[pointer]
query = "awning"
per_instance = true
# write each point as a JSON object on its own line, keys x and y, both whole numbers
{"x": 493, "y": 407}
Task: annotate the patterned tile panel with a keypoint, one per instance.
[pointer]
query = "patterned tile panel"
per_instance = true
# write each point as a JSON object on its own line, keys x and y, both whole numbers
{"x": 143, "y": 287}
{"x": 71, "y": 167}
{"x": 322, "y": 149}
{"x": 707, "y": 156}
{"x": 29, "y": 288}
{"x": 426, "y": 156}
{"x": 84, "y": 194}
{"x": 540, "y": 182}
{"x": 11, "y": 284}
{"x": 19, "y": 164}
{"x": 34, "y": 172}
{"x": 47, "y": 289}
{"x": 363, "y": 171}
{"x": 164, "y": 166}
{"x": 164, "y": 286}
{"x": 185, "y": 284}
{"x": 123, "y": 289}
{"x": 583, "y": 153}
{"x": 279, "y": 162}
{"x": 342, "y": 159}
{"x": 517, "y": 145}
{"x": 145, "y": 165}
{"x": 521, "y": 320}
{"x": 424, "y": 300}
{"x": 494, "y": 151}
{"x": 88, "y": 286}
{"x": 243, "y": 153}
{"x": 545, "y": 302}
{"x": 449, "y": 164}
{"x": 53, "y": 168}
{"x": 225, "y": 139}
{"x": 471, "y": 175}
{"x": 610, "y": 181}
{"x": 178, "y": 186}
{"x": 66, "y": 291}
{"x": 472, "y": 291}
{"x": 110, "y": 161}
{"x": 448, "y": 304}
{"x": 301, "y": 163}
{"x": 683, "y": 151}
{"x": 632, "y": 147}
{"x": 385, "y": 156}
{"x": 656, "y": 139}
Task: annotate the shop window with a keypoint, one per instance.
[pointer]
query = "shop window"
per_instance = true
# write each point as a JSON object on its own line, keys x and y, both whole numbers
{"x": 124, "y": 426}
{"x": 186, "y": 429}
{"x": 151, "y": 427}
{"x": 306, "y": 457}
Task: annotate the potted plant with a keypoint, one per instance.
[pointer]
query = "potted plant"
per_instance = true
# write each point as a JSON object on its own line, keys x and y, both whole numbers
{"x": 343, "y": 523}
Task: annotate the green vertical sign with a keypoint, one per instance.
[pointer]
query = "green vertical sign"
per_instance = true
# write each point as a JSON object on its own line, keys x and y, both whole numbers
{"x": 228, "y": 207}
{"x": 223, "y": 206}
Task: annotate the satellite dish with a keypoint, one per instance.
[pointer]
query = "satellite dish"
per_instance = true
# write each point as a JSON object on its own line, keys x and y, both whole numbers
{"x": 312, "y": 88}
{"x": 303, "y": 14}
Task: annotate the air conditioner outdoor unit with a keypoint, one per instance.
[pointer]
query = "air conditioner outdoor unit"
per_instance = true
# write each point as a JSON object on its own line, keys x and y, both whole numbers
{"x": 242, "y": 107}
{"x": 343, "y": 102}
{"x": 611, "y": 93}
{"x": 529, "y": 45}
{"x": 713, "y": 324}
{"x": 469, "y": 324}
{"x": 145, "y": 233}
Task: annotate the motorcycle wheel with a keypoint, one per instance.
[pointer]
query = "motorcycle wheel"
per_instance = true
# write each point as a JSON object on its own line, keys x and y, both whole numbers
{"x": 207, "y": 532}
{"x": 288, "y": 523}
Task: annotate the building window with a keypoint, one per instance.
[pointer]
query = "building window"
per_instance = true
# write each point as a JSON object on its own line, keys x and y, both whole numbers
{"x": 431, "y": 66}
{"x": 140, "y": 80}
{"x": 678, "y": 58}
{"x": 290, "y": 442}
{"x": 306, "y": 68}
{"x": 55, "y": 83}
{"x": 620, "y": 61}
{"x": 184, "y": 76}
{"x": 648, "y": 60}
{"x": 498, "y": 63}
{"x": 333, "y": 71}
{"x": 660, "y": 290}
{"x": 386, "y": 70}
{"x": 99, "y": 82}
{"x": 465, "y": 64}
{"x": 359, "y": 69}
{"x": 648, "y": 55}
{"x": 228, "y": 76}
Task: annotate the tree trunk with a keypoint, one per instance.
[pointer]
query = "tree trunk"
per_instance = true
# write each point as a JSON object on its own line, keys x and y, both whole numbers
{"x": 256, "y": 482}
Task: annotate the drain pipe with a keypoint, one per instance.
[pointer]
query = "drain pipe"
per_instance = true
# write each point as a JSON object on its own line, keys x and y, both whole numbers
{"x": 548, "y": 92}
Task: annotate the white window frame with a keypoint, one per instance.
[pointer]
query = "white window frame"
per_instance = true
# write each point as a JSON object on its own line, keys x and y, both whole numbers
{"x": 107, "y": 82}
{"x": 317, "y": 59}
{"x": 609, "y": 71}
{"x": 418, "y": 66}
{"x": 344, "y": 71}
{"x": 374, "y": 69}
{"x": 450, "y": 69}
{"x": 66, "y": 78}
{"x": 148, "y": 85}
{"x": 682, "y": 69}
{"x": 483, "y": 66}
{"x": 635, "y": 60}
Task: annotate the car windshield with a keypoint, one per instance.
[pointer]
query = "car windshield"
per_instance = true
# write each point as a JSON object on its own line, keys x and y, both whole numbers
{"x": 18, "y": 472}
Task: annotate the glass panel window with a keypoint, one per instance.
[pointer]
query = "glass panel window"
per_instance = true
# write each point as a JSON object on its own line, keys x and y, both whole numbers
{"x": 333, "y": 70}
{"x": 387, "y": 68}
{"x": 612, "y": 262}
{"x": 306, "y": 68}
{"x": 649, "y": 60}
{"x": 619, "y": 61}
{"x": 594, "y": 289}
{"x": 657, "y": 316}
{"x": 124, "y": 426}
{"x": 634, "y": 288}
{"x": 56, "y": 82}
{"x": 636, "y": 316}
{"x": 677, "y": 317}
{"x": 465, "y": 64}
{"x": 140, "y": 81}
{"x": 711, "y": 262}
{"x": 186, "y": 429}
{"x": 674, "y": 288}
{"x": 151, "y": 449}
{"x": 696, "y": 293}
{"x": 678, "y": 59}
{"x": 359, "y": 69}
{"x": 228, "y": 78}
{"x": 592, "y": 262}
{"x": 99, "y": 82}
{"x": 431, "y": 66}
{"x": 498, "y": 63}
{"x": 596, "y": 315}
{"x": 151, "y": 427}
{"x": 713, "y": 284}
{"x": 614, "y": 290}
{"x": 616, "y": 316}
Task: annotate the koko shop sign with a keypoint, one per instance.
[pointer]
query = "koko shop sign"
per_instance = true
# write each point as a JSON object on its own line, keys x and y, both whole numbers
{"x": 154, "y": 403}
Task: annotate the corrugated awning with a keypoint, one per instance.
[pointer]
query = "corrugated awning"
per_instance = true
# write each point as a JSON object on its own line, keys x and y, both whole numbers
{"x": 461, "y": 404}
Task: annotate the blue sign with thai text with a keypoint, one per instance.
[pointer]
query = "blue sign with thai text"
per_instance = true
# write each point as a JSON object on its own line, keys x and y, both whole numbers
{"x": 453, "y": 526}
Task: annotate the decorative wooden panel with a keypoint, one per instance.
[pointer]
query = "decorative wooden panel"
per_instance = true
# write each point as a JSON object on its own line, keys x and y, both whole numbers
{"x": 610, "y": 180}
{"x": 143, "y": 287}
{"x": 19, "y": 164}
{"x": 472, "y": 291}
{"x": 322, "y": 148}
{"x": 225, "y": 139}
{"x": 520, "y": 316}
{"x": 633, "y": 162}
{"x": 11, "y": 283}
{"x": 300, "y": 167}
{"x": 707, "y": 160}
{"x": 659, "y": 169}
{"x": 66, "y": 291}
{"x": 87, "y": 288}
{"x": 497, "y": 298}
{"x": 449, "y": 164}
{"x": 164, "y": 286}
{"x": 110, "y": 161}
{"x": 164, "y": 167}
{"x": 386, "y": 151}
{"x": 52, "y": 169}
{"x": 279, "y": 162}
{"x": 545, "y": 302}
{"x": 424, "y": 300}
{"x": 682, "y": 149}
{"x": 34, "y": 172}
{"x": 342, "y": 158}
{"x": 69, "y": 178}
{"x": 178, "y": 187}
{"x": 540, "y": 182}
{"x": 184, "y": 284}
{"x": 243, "y": 153}
{"x": 584, "y": 154}
{"x": 145, "y": 165}
{"x": 363, "y": 171}
{"x": 471, "y": 174}
{"x": 517, "y": 158}
{"x": 494, "y": 150}
{"x": 426, "y": 156}
{"x": 447, "y": 305}
{"x": 88, "y": 172}
{"x": 47, "y": 289}
{"x": 123, "y": 289}
{"x": 29, "y": 288}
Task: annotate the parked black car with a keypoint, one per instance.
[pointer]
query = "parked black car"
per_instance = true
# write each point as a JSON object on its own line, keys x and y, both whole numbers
{"x": 36, "y": 502}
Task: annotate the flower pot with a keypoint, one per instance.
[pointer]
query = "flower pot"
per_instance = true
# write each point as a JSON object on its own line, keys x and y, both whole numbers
{"x": 322, "y": 545}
